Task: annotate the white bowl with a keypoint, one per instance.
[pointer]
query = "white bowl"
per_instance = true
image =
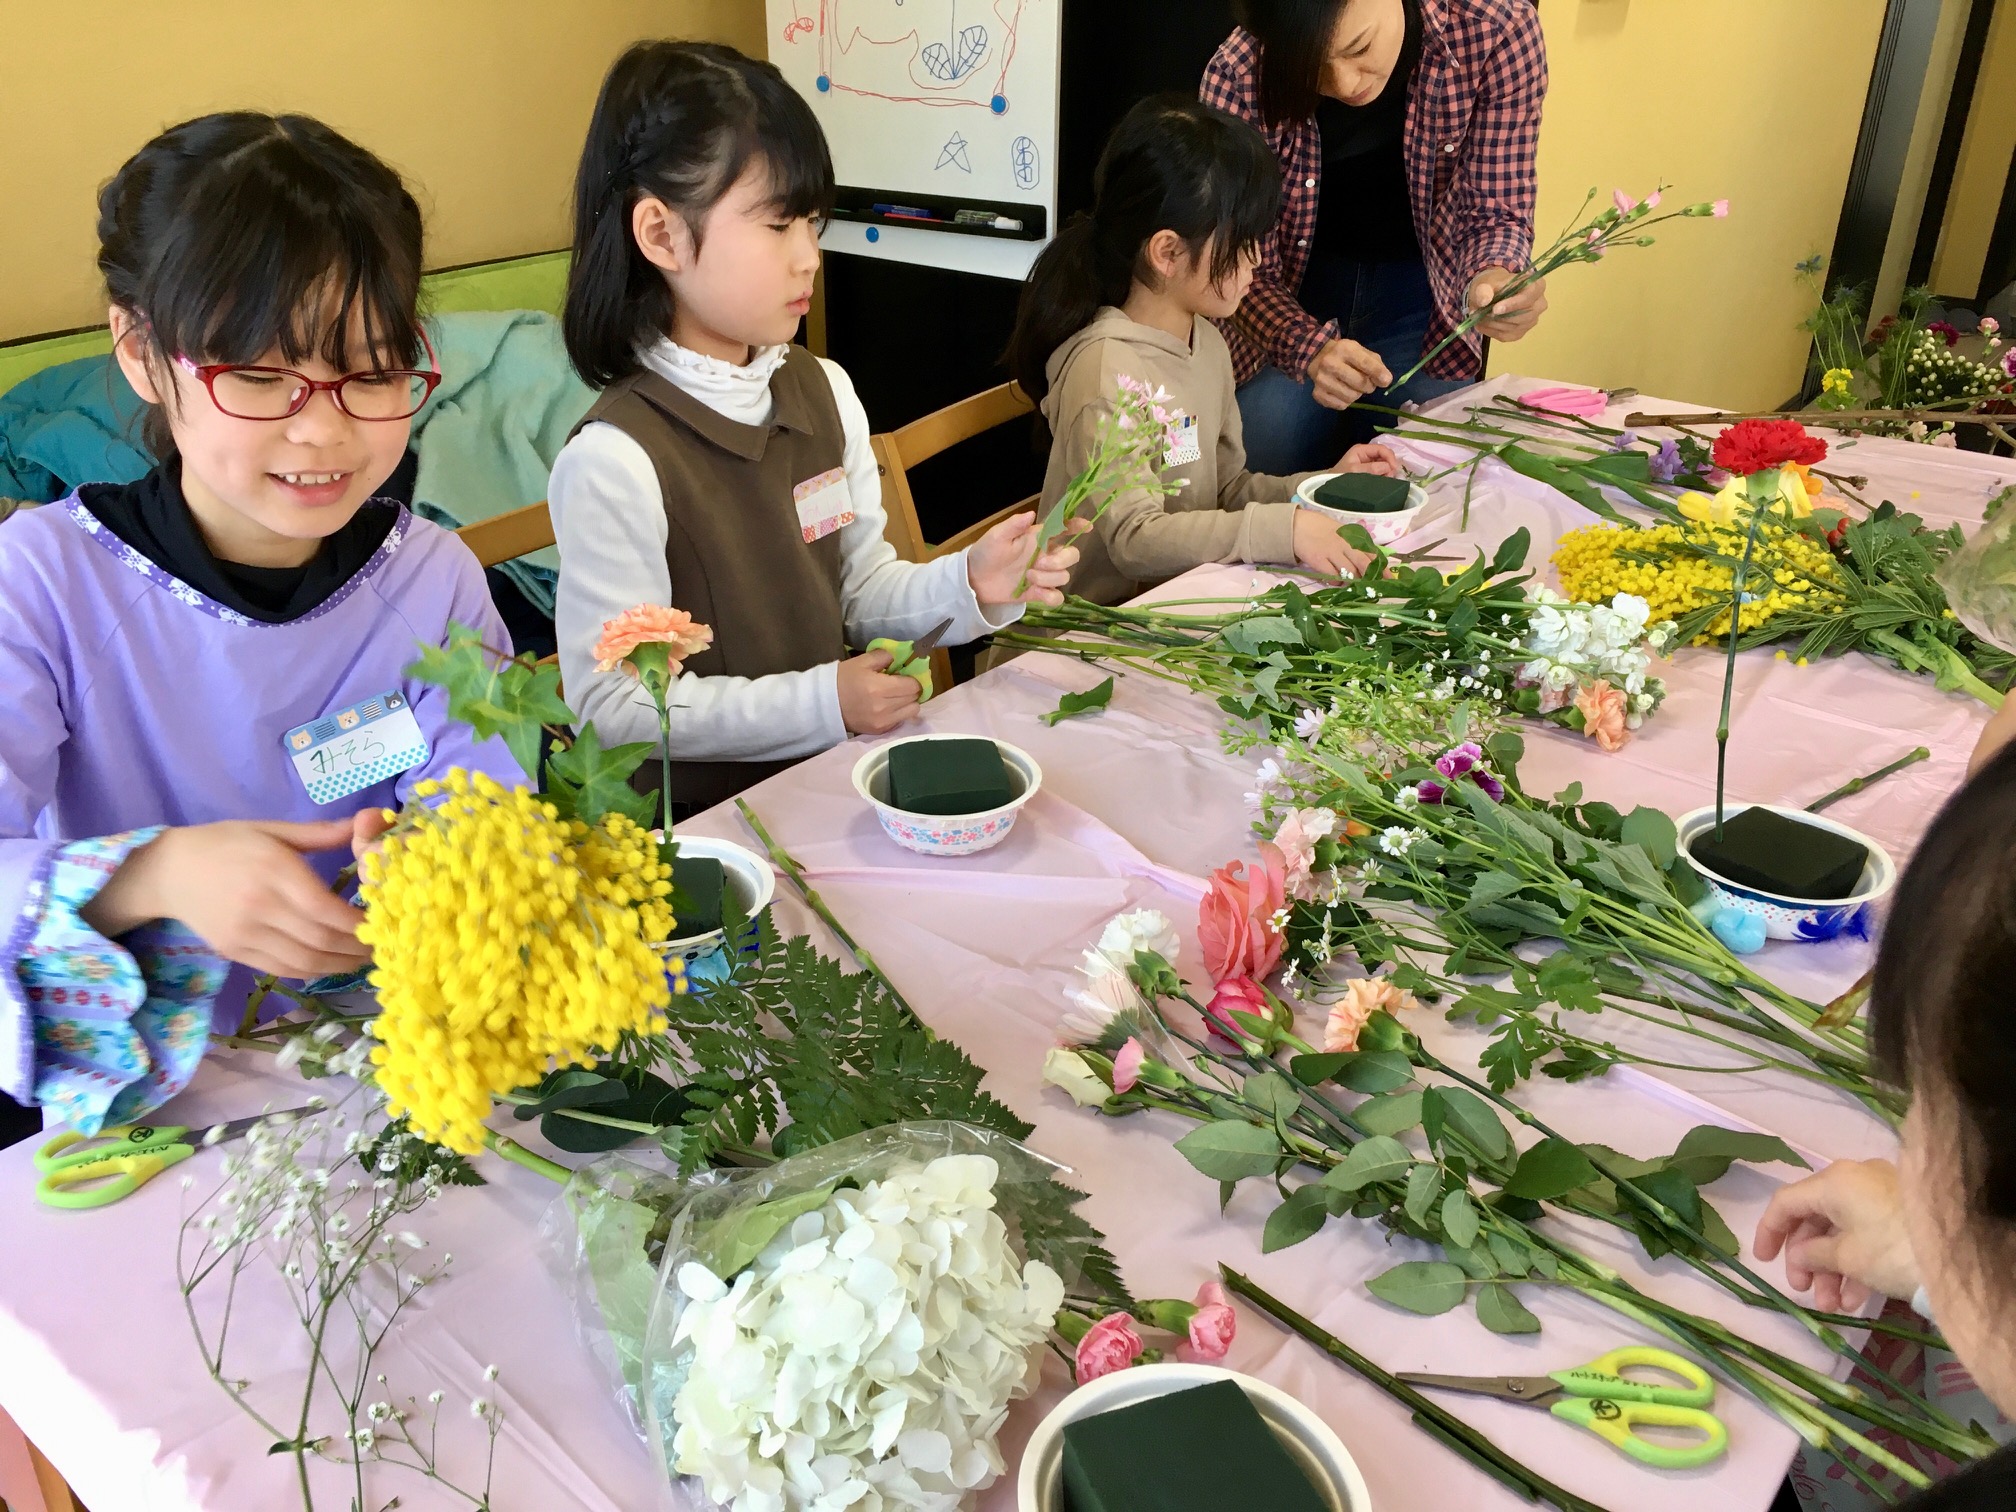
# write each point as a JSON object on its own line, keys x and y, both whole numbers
{"x": 1385, "y": 528}
{"x": 749, "y": 876}
{"x": 1788, "y": 918}
{"x": 1307, "y": 1438}
{"x": 946, "y": 834}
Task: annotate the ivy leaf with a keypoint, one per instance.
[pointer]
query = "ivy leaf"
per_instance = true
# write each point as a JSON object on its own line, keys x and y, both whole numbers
{"x": 1080, "y": 703}
{"x": 1477, "y": 1121}
{"x": 1503, "y": 1313}
{"x": 1552, "y": 1168}
{"x": 513, "y": 699}
{"x": 1706, "y": 1153}
{"x": 1394, "y": 1113}
{"x": 1231, "y": 1149}
{"x": 1294, "y": 1220}
{"x": 1459, "y": 1219}
{"x": 1373, "y": 1160}
{"x": 589, "y": 779}
{"x": 1427, "y": 1287}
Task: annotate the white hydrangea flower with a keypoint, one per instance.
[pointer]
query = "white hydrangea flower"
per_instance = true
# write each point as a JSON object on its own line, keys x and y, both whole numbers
{"x": 866, "y": 1359}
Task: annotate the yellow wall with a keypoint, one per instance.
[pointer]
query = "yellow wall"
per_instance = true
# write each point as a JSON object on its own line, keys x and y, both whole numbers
{"x": 1983, "y": 168}
{"x": 1756, "y": 101}
{"x": 480, "y": 103}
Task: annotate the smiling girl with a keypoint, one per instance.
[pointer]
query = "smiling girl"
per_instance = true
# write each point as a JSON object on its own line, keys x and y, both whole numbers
{"x": 724, "y": 470}
{"x": 202, "y": 672}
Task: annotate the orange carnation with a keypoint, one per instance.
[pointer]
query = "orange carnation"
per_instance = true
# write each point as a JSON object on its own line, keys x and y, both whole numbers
{"x": 650, "y": 625}
{"x": 1603, "y": 707}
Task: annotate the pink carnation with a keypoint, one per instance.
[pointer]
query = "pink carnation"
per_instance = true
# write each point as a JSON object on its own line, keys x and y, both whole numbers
{"x": 1110, "y": 1344}
{"x": 1603, "y": 707}
{"x": 1127, "y": 1066}
{"x": 1211, "y": 1329}
{"x": 646, "y": 625}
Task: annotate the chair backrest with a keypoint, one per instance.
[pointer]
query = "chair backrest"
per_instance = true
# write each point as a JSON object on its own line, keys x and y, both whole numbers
{"x": 897, "y": 451}
{"x": 502, "y": 538}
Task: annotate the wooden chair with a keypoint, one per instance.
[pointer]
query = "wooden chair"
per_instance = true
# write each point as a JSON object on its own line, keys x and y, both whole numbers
{"x": 896, "y": 452}
{"x": 502, "y": 538}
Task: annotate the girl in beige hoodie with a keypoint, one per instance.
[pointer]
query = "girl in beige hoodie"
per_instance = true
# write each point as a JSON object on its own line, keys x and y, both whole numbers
{"x": 1182, "y": 196}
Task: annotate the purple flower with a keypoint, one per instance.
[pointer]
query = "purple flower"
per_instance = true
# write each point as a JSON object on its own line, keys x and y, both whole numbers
{"x": 1457, "y": 763}
{"x": 1625, "y": 441}
{"x": 1947, "y": 329}
{"x": 1666, "y": 463}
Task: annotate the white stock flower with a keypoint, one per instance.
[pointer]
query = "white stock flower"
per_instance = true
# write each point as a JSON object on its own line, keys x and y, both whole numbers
{"x": 867, "y": 1358}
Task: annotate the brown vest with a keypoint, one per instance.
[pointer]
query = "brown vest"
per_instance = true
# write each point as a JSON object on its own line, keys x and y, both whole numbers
{"x": 734, "y": 547}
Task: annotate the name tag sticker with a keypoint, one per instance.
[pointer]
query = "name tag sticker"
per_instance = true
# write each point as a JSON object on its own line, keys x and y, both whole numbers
{"x": 356, "y": 747}
{"x": 824, "y": 505}
{"x": 1185, "y": 450}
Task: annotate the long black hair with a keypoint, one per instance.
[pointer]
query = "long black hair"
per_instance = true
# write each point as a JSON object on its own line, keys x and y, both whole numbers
{"x": 1945, "y": 987}
{"x": 678, "y": 121}
{"x": 234, "y": 233}
{"x": 1294, "y": 37}
{"x": 1172, "y": 164}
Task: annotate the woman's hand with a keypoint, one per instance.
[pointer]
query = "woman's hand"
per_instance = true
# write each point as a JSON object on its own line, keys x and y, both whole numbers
{"x": 243, "y": 887}
{"x": 1320, "y": 548}
{"x": 1517, "y": 315}
{"x": 997, "y": 562}
{"x": 1843, "y": 1236}
{"x": 1371, "y": 458}
{"x": 1345, "y": 372}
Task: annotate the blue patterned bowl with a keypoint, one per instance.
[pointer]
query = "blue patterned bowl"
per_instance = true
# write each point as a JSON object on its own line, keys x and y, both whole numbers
{"x": 946, "y": 834}
{"x": 1795, "y": 918}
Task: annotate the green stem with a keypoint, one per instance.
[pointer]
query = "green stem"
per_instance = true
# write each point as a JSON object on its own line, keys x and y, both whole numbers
{"x": 1740, "y": 581}
{"x": 1856, "y": 784}
{"x": 517, "y": 1154}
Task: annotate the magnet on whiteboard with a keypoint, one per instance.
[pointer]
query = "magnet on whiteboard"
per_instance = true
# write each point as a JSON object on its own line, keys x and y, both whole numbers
{"x": 824, "y": 83}
{"x": 999, "y": 104}
{"x": 874, "y": 233}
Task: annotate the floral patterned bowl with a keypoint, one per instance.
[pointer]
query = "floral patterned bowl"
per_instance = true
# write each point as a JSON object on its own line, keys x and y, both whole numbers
{"x": 946, "y": 834}
{"x": 1795, "y": 918}
{"x": 1307, "y": 1438}
{"x": 749, "y": 879}
{"x": 1384, "y": 529}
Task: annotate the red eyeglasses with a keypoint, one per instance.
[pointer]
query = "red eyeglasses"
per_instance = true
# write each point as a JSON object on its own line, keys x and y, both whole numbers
{"x": 272, "y": 393}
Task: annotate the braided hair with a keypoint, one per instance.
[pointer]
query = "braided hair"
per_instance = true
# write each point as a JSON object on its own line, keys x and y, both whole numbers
{"x": 679, "y": 122}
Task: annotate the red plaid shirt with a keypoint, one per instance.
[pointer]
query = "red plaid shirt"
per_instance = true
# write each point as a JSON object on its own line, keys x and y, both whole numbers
{"x": 1473, "y": 119}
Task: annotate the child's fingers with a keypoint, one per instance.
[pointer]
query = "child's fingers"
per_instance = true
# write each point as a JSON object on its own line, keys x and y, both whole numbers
{"x": 877, "y": 661}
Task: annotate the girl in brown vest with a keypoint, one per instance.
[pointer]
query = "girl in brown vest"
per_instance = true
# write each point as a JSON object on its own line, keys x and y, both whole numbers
{"x": 724, "y": 470}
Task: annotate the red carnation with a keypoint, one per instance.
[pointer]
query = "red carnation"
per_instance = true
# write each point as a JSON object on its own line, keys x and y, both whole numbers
{"x": 1754, "y": 446}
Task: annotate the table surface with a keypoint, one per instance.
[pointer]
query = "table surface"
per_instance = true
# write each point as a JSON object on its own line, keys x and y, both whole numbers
{"x": 1138, "y": 805}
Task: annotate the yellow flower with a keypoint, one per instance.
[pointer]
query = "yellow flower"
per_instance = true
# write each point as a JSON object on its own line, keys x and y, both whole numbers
{"x": 1836, "y": 380}
{"x": 506, "y": 940}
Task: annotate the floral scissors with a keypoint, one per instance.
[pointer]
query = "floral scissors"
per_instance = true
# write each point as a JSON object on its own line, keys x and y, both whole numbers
{"x": 117, "y": 1162}
{"x": 1597, "y": 1396}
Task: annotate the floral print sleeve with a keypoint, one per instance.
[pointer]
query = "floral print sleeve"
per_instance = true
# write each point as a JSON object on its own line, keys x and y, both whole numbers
{"x": 119, "y": 1025}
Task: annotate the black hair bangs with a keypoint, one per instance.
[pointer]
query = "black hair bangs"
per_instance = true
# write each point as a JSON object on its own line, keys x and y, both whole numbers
{"x": 788, "y": 141}
{"x": 1244, "y": 189}
{"x": 1294, "y": 37}
{"x": 247, "y": 234}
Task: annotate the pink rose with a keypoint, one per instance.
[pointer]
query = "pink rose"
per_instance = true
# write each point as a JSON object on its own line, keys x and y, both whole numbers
{"x": 1235, "y": 994}
{"x": 1211, "y": 1329}
{"x": 1127, "y": 1066}
{"x": 1110, "y": 1344}
{"x": 647, "y": 625}
{"x": 1363, "y": 997}
{"x": 1236, "y": 921}
{"x": 1603, "y": 707}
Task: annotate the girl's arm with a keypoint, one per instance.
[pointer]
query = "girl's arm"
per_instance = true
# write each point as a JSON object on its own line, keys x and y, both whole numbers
{"x": 1270, "y": 313}
{"x": 881, "y": 594}
{"x": 610, "y": 521}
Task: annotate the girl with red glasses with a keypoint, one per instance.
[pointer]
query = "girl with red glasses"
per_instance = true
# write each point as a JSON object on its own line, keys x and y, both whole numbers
{"x": 203, "y": 671}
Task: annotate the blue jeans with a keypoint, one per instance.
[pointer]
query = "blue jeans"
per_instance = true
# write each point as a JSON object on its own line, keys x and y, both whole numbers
{"x": 1384, "y": 306}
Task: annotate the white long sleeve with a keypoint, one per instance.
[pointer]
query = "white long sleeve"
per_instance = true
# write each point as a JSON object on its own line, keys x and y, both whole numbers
{"x": 611, "y": 524}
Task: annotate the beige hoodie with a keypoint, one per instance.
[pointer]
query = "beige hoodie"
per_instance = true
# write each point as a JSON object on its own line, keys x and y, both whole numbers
{"x": 1220, "y": 512}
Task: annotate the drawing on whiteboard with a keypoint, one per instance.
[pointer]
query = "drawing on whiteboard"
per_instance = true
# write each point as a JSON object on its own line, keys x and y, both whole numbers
{"x": 914, "y": 54}
{"x": 954, "y": 153}
{"x": 1025, "y": 162}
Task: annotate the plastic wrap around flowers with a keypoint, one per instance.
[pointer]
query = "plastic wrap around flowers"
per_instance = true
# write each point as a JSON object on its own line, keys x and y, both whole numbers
{"x": 865, "y": 1355}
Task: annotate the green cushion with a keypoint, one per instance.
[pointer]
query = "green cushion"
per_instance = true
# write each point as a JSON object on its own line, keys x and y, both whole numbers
{"x": 697, "y": 883}
{"x": 948, "y": 777}
{"x": 1363, "y": 493}
{"x": 1202, "y": 1450}
{"x": 1766, "y": 851}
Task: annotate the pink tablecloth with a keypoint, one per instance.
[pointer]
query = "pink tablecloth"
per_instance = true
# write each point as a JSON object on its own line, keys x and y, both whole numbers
{"x": 1138, "y": 803}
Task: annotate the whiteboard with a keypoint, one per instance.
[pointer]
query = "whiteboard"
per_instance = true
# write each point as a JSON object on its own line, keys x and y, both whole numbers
{"x": 935, "y": 100}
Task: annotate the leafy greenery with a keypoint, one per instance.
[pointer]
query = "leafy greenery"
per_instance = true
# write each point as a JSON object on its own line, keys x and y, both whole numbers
{"x": 1081, "y": 703}
{"x": 589, "y": 779}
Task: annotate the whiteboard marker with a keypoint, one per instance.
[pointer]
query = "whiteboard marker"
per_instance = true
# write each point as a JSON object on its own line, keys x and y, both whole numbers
{"x": 987, "y": 218}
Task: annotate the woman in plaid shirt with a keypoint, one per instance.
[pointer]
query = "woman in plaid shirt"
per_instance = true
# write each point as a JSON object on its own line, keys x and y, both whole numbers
{"x": 1405, "y": 131}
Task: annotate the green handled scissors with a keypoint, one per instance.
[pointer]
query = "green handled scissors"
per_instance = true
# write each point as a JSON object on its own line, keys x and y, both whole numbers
{"x": 90, "y": 1171}
{"x": 1599, "y": 1397}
